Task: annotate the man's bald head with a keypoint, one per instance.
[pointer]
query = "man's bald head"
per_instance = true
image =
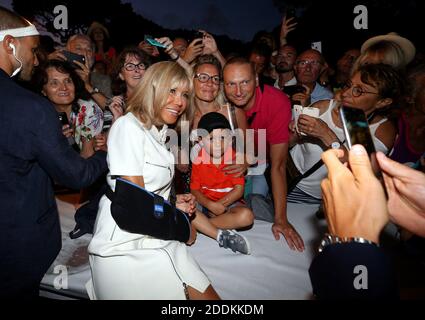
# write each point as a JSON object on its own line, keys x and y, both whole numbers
{"x": 10, "y": 20}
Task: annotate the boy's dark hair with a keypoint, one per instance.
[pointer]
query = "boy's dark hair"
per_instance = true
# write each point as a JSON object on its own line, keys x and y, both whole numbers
{"x": 213, "y": 120}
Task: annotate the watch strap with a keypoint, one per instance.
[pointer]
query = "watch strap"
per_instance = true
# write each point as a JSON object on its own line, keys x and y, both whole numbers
{"x": 329, "y": 239}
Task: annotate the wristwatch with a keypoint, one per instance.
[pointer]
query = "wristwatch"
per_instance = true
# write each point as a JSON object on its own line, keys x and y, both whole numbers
{"x": 94, "y": 91}
{"x": 335, "y": 145}
{"x": 329, "y": 239}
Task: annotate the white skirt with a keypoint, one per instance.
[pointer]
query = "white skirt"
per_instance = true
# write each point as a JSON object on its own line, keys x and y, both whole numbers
{"x": 131, "y": 266}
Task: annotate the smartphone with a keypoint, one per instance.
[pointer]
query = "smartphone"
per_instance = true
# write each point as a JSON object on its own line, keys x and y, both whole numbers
{"x": 317, "y": 46}
{"x": 71, "y": 57}
{"x": 356, "y": 130}
{"x": 198, "y": 35}
{"x": 63, "y": 118}
{"x": 291, "y": 90}
{"x": 153, "y": 42}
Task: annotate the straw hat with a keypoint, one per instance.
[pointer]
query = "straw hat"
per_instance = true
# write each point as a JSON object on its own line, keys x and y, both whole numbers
{"x": 406, "y": 45}
{"x": 96, "y": 25}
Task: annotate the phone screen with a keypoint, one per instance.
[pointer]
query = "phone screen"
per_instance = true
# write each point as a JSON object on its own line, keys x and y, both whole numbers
{"x": 63, "y": 118}
{"x": 153, "y": 42}
{"x": 356, "y": 130}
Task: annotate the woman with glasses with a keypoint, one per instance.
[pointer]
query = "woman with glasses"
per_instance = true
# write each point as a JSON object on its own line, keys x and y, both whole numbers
{"x": 208, "y": 97}
{"x": 127, "y": 74}
{"x": 82, "y": 119}
{"x": 375, "y": 89}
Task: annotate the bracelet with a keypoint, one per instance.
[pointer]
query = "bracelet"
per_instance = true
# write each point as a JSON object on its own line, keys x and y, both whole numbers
{"x": 329, "y": 239}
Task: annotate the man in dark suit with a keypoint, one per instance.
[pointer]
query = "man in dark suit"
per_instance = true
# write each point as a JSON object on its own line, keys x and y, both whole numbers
{"x": 33, "y": 153}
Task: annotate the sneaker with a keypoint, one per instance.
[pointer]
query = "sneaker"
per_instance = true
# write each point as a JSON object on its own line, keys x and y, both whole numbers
{"x": 235, "y": 241}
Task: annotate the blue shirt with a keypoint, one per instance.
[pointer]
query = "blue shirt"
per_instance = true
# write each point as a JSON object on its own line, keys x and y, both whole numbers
{"x": 320, "y": 93}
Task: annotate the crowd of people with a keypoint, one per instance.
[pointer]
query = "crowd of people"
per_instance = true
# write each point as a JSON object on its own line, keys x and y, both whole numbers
{"x": 98, "y": 115}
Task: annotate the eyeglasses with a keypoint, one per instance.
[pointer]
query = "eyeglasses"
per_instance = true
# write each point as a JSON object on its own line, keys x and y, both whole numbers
{"x": 131, "y": 66}
{"x": 356, "y": 91}
{"x": 313, "y": 63}
{"x": 203, "y": 78}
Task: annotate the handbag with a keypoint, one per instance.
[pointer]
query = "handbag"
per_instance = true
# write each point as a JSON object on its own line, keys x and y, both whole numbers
{"x": 137, "y": 210}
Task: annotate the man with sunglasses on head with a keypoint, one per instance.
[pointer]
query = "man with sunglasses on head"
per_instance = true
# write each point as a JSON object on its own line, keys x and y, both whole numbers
{"x": 33, "y": 154}
{"x": 308, "y": 68}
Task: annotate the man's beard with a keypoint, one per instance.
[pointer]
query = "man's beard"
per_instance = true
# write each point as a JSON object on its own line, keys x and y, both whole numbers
{"x": 281, "y": 68}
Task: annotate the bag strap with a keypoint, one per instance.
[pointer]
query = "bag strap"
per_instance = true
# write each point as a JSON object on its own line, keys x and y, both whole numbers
{"x": 310, "y": 171}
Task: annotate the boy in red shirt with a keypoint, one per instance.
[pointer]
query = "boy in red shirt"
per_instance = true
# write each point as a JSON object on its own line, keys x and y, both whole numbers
{"x": 218, "y": 194}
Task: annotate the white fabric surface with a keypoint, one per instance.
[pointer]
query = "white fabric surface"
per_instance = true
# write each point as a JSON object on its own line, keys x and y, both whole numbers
{"x": 272, "y": 271}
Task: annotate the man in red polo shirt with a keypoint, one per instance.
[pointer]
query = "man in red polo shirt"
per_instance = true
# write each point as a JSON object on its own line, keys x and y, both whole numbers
{"x": 270, "y": 109}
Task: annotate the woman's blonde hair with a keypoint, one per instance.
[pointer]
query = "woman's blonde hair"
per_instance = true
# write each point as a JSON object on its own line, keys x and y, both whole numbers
{"x": 153, "y": 91}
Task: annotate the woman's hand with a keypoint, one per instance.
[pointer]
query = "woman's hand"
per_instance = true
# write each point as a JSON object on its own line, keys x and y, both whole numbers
{"x": 186, "y": 203}
{"x": 355, "y": 203}
{"x": 169, "y": 48}
{"x": 210, "y": 46}
{"x": 67, "y": 131}
{"x": 149, "y": 49}
{"x": 313, "y": 127}
{"x": 100, "y": 142}
{"x": 117, "y": 107}
{"x": 194, "y": 50}
{"x": 87, "y": 149}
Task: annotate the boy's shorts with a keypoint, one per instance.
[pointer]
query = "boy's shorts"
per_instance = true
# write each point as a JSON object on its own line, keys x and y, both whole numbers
{"x": 201, "y": 208}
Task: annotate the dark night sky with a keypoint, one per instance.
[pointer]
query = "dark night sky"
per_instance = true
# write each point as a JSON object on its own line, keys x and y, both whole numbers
{"x": 239, "y": 19}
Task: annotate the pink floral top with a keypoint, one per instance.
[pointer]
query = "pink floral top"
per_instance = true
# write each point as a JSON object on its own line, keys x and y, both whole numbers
{"x": 88, "y": 122}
